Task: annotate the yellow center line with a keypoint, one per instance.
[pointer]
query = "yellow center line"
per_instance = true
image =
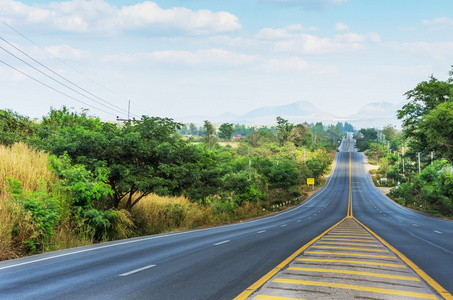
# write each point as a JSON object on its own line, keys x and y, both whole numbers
{"x": 350, "y": 254}
{"x": 352, "y": 244}
{"x": 351, "y": 236}
{"x": 357, "y": 262}
{"x": 371, "y": 274}
{"x": 265, "y": 297}
{"x": 346, "y": 239}
{"x": 350, "y": 248}
{"x": 357, "y": 288}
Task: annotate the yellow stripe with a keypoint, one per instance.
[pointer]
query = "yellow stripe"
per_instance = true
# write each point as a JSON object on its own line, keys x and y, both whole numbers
{"x": 275, "y": 270}
{"x": 349, "y": 233}
{"x": 350, "y": 248}
{"x": 355, "y": 273}
{"x": 443, "y": 292}
{"x": 351, "y": 236}
{"x": 352, "y": 244}
{"x": 357, "y": 288}
{"x": 358, "y": 262}
{"x": 265, "y": 297}
{"x": 350, "y": 254}
{"x": 346, "y": 239}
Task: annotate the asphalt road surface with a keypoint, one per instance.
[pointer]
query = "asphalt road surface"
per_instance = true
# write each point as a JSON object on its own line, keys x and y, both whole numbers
{"x": 221, "y": 262}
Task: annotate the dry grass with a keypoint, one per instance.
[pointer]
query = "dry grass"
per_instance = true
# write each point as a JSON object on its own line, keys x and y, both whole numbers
{"x": 26, "y": 165}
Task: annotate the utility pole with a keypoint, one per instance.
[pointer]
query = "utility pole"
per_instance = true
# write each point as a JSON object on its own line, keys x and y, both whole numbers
{"x": 250, "y": 167}
{"x": 304, "y": 154}
{"x": 129, "y": 110}
{"x": 432, "y": 156}
{"x": 419, "y": 169}
{"x": 402, "y": 156}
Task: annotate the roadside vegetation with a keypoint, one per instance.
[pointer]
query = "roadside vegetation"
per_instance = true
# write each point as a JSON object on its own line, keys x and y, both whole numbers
{"x": 71, "y": 179}
{"x": 417, "y": 161}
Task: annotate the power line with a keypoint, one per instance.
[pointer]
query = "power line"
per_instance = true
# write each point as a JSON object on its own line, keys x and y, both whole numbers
{"x": 67, "y": 80}
{"x": 56, "y": 90}
{"x": 63, "y": 62}
{"x": 66, "y": 86}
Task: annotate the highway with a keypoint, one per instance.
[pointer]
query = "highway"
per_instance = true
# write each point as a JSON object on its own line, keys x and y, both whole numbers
{"x": 221, "y": 262}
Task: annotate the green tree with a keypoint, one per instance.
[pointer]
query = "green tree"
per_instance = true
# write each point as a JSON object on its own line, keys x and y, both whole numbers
{"x": 284, "y": 129}
{"x": 425, "y": 97}
{"x": 226, "y": 131}
{"x": 437, "y": 126}
{"x": 209, "y": 137}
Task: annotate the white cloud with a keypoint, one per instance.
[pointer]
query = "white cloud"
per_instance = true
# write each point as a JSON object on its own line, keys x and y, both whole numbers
{"x": 211, "y": 57}
{"x": 341, "y": 27}
{"x": 439, "y": 50}
{"x": 298, "y": 64}
{"x": 66, "y": 52}
{"x": 443, "y": 22}
{"x": 358, "y": 38}
{"x": 295, "y": 27}
{"x": 99, "y": 16}
{"x": 308, "y": 4}
{"x": 236, "y": 42}
{"x": 273, "y": 34}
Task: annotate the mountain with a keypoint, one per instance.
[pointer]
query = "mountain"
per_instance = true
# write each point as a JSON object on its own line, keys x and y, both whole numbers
{"x": 378, "y": 114}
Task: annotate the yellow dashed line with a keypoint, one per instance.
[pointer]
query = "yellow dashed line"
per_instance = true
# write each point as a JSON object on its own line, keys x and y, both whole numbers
{"x": 352, "y": 244}
{"x": 357, "y": 288}
{"x": 350, "y": 248}
{"x": 358, "y": 262}
{"x": 352, "y": 240}
{"x": 350, "y": 254}
{"x": 351, "y": 236}
{"x": 265, "y": 297}
{"x": 371, "y": 274}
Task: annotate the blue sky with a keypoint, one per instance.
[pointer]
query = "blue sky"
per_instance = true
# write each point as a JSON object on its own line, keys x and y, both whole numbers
{"x": 179, "y": 58}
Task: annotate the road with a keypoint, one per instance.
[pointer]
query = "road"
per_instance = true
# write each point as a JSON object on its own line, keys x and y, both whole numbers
{"x": 221, "y": 262}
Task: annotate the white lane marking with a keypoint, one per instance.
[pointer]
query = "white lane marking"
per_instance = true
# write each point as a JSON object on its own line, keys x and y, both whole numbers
{"x": 261, "y": 231}
{"x": 284, "y": 225}
{"x": 138, "y": 270}
{"x": 415, "y": 225}
{"x": 222, "y": 242}
{"x": 298, "y": 221}
{"x": 437, "y": 231}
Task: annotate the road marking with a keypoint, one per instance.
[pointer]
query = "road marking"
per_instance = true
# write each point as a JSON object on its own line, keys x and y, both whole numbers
{"x": 351, "y": 236}
{"x": 349, "y": 248}
{"x": 414, "y": 225}
{"x": 357, "y": 262}
{"x": 350, "y": 254}
{"x": 265, "y": 297}
{"x": 371, "y": 274}
{"x": 443, "y": 292}
{"x": 437, "y": 231}
{"x": 352, "y": 244}
{"x": 261, "y": 231}
{"x": 222, "y": 242}
{"x": 298, "y": 221}
{"x": 275, "y": 270}
{"x": 357, "y": 288}
{"x": 284, "y": 225}
{"x": 137, "y": 270}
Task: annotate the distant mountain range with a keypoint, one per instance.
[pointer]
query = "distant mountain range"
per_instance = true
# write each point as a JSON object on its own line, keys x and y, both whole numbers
{"x": 377, "y": 115}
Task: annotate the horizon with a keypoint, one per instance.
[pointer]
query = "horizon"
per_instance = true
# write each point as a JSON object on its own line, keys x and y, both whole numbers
{"x": 179, "y": 58}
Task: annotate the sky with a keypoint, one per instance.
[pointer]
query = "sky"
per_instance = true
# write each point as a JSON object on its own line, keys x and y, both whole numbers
{"x": 178, "y": 58}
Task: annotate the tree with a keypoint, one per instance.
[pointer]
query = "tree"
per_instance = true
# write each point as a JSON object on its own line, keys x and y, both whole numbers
{"x": 299, "y": 134}
{"x": 284, "y": 129}
{"x": 209, "y": 137}
{"x": 226, "y": 131}
{"x": 425, "y": 97}
{"x": 437, "y": 126}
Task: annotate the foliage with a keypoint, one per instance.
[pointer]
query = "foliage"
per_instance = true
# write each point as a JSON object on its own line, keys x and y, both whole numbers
{"x": 15, "y": 128}
{"x": 226, "y": 131}
{"x": 284, "y": 129}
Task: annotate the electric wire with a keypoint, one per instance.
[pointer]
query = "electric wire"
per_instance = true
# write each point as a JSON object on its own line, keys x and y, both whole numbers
{"x": 65, "y": 85}
{"x": 56, "y": 90}
{"x": 67, "y": 80}
{"x": 106, "y": 88}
